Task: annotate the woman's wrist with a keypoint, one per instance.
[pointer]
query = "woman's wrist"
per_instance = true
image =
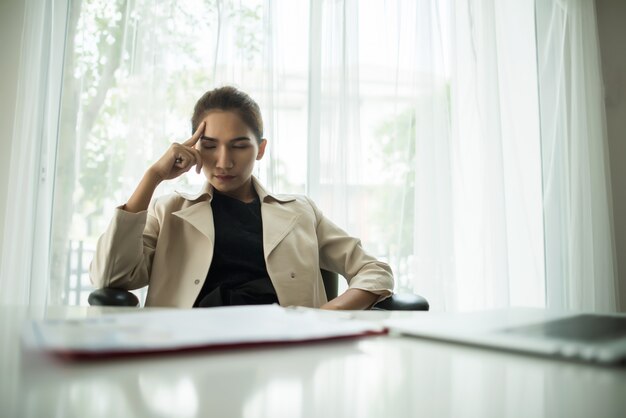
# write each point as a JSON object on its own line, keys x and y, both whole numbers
{"x": 140, "y": 199}
{"x": 152, "y": 176}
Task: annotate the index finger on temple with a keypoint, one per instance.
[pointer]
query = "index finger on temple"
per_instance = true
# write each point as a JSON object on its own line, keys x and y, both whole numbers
{"x": 196, "y": 135}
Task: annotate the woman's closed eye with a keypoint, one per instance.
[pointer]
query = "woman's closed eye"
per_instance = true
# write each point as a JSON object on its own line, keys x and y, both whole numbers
{"x": 210, "y": 143}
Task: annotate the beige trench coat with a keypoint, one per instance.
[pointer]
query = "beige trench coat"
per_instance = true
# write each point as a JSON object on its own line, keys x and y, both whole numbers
{"x": 170, "y": 246}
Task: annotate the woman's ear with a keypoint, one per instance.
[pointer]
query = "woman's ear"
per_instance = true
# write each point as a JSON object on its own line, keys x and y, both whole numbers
{"x": 261, "y": 152}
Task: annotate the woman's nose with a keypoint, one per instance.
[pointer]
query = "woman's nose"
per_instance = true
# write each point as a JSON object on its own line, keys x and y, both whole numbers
{"x": 224, "y": 159}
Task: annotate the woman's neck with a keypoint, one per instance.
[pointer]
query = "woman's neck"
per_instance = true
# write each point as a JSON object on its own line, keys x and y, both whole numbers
{"x": 245, "y": 193}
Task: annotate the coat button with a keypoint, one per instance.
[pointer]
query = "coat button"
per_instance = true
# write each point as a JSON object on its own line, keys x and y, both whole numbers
{"x": 293, "y": 275}
{"x": 197, "y": 281}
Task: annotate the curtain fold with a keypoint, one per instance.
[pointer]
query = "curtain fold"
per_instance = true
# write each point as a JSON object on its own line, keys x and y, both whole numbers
{"x": 338, "y": 144}
{"x": 580, "y": 252}
{"x": 24, "y": 272}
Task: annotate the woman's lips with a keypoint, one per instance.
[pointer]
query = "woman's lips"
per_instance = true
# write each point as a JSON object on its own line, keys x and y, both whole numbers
{"x": 224, "y": 178}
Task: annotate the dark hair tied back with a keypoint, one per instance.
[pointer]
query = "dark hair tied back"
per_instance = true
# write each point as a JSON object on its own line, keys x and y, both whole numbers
{"x": 229, "y": 98}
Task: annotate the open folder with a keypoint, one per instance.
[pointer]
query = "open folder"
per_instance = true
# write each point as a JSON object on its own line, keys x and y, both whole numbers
{"x": 176, "y": 330}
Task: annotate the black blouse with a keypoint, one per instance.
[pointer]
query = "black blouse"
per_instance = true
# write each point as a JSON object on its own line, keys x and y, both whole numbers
{"x": 238, "y": 275}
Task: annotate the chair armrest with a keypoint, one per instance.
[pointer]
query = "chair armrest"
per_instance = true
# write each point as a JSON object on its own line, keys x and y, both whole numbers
{"x": 402, "y": 302}
{"x": 119, "y": 297}
{"x": 108, "y": 296}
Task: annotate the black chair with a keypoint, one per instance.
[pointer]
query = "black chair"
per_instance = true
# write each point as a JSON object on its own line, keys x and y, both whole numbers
{"x": 108, "y": 296}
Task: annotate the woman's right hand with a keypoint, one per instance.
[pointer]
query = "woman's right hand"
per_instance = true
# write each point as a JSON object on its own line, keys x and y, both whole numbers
{"x": 179, "y": 158}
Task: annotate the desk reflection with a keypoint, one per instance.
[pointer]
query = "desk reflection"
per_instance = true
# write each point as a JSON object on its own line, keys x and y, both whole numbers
{"x": 272, "y": 382}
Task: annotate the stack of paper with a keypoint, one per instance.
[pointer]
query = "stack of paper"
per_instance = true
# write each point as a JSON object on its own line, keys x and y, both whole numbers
{"x": 179, "y": 330}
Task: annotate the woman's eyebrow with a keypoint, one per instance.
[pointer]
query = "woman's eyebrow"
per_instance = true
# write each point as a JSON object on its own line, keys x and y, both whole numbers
{"x": 239, "y": 138}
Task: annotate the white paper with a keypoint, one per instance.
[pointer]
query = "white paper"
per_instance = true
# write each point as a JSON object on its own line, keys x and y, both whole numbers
{"x": 187, "y": 328}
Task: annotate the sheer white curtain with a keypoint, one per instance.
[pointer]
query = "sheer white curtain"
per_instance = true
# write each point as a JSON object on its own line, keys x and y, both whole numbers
{"x": 580, "y": 252}
{"x": 429, "y": 143}
{"x": 495, "y": 159}
{"x": 24, "y": 272}
{"x": 415, "y": 125}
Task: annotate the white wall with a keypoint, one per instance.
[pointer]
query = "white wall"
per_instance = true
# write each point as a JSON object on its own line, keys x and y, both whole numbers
{"x": 612, "y": 34}
{"x": 11, "y": 24}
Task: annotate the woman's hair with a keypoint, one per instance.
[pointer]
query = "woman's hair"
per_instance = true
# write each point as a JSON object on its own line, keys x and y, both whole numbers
{"x": 229, "y": 98}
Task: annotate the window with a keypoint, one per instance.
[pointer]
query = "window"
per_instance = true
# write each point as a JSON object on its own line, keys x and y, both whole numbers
{"x": 371, "y": 108}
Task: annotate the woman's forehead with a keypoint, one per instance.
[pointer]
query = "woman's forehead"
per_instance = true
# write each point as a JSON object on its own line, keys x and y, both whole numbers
{"x": 220, "y": 122}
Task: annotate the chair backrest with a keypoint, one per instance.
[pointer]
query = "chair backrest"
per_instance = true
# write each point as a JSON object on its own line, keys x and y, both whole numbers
{"x": 331, "y": 283}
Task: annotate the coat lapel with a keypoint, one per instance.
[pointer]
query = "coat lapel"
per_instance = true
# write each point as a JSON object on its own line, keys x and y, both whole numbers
{"x": 278, "y": 221}
{"x": 200, "y": 216}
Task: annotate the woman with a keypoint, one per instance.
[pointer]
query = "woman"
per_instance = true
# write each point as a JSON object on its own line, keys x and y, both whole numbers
{"x": 234, "y": 243}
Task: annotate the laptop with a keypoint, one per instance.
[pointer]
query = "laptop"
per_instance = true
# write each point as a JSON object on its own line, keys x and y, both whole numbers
{"x": 597, "y": 338}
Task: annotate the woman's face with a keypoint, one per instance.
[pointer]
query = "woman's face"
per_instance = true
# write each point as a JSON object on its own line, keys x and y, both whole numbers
{"x": 229, "y": 150}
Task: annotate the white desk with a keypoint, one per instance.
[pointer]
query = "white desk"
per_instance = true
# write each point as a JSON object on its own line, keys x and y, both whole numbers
{"x": 371, "y": 377}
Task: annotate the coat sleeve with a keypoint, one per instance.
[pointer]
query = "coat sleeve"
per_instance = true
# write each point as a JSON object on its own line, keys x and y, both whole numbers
{"x": 124, "y": 253}
{"x": 343, "y": 254}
